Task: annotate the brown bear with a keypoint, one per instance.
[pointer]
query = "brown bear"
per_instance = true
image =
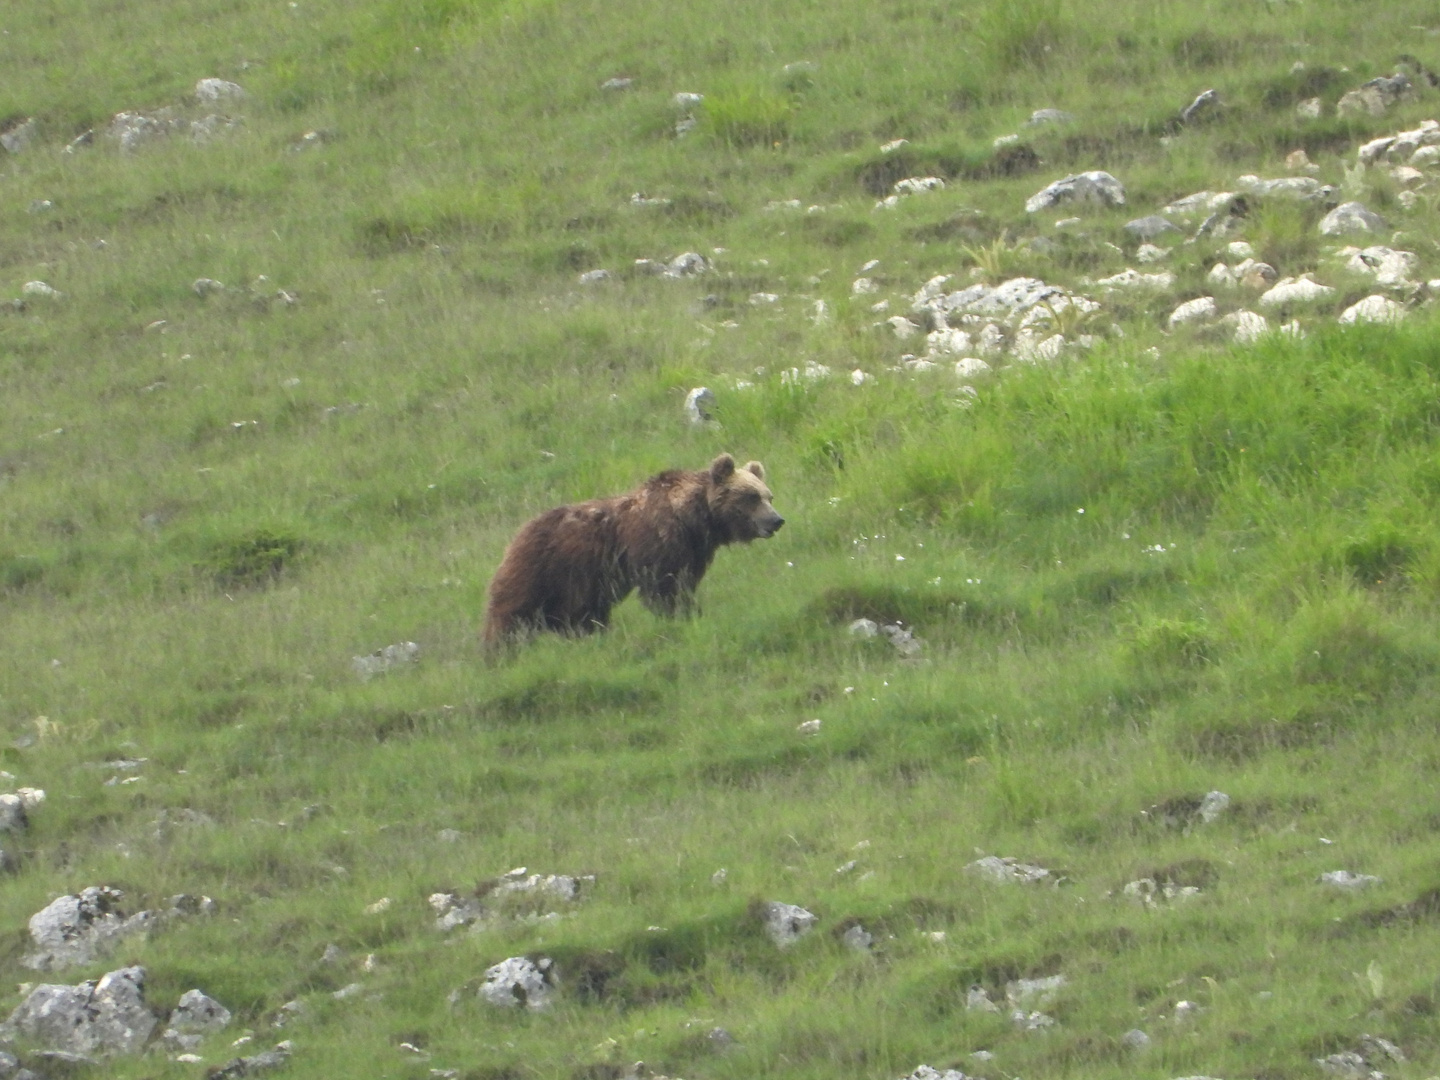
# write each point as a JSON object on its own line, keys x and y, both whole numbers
{"x": 568, "y": 567}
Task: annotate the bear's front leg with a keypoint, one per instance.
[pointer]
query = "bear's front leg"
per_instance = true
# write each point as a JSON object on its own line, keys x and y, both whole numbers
{"x": 669, "y": 595}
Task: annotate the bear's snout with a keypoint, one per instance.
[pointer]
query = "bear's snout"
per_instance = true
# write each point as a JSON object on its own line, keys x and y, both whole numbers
{"x": 771, "y": 527}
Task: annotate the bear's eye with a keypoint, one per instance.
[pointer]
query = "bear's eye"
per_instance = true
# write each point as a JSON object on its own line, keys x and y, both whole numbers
{"x": 752, "y": 498}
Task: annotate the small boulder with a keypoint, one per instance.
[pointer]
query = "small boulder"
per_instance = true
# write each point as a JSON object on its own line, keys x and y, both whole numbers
{"x": 1296, "y": 290}
{"x": 594, "y": 277}
{"x": 519, "y": 982}
{"x": 1375, "y": 96}
{"x": 918, "y": 185}
{"x": 785, "y": 924}
{"x": 218, "y": 90}
{"x": 255, "y": 1063}
{"x": 1096, "y": 188}
{"x": 700, "y": 405}
{"x": 75, "y": 930}
{"x": 93, "y": 1018}
{"x": 12, "y": 814}
{"x": 1150, "y": 227}
{"x": 688, "y": 264}
{"x": 1249, "y": 326}
{"x": 1201, "y": 309}
{"x": 1386, "y": 265}
{"x": 195, "y": 1016}
{"x": 1008, "y": 871}
{"x": 386, "y": 659}
{"x": 617, "y": 83}
{"x": 19, "y": 135}
{"x": 1350, "y": 217}
{"x": 1206, "y": 104}
{"x": 1346, "y": 881}
{"x": 1049, "y": 116}
{"x": 1373, "y": 309}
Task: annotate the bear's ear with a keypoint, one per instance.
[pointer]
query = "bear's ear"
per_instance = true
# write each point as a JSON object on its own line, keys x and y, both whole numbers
{"x": 722, "y": 468}
{"x": 755, "y": 469}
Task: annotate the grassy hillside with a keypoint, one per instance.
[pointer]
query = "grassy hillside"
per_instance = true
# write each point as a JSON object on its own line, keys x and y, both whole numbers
{"x": 1161, "y": 565}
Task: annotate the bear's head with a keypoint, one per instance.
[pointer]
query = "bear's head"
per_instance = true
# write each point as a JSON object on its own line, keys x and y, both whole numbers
{"x": 740, "y": 502}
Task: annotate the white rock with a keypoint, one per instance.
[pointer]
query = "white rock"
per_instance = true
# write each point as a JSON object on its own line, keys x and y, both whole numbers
{"x": 859, "y": 377}
{"x": 1386, "y": 265}
{"x": 1296, "y": 290}
{"x": 1373, "y": 309}
{"x": 864, "y": 628}
{"x": 94, "y": 1018}
{"x": 785, "y": 924}
{"x": 863, "y": 286}
{"x": 203, "y": 287}
{"x": 688, "y": 264}
{"x": 1031, "y": 1021}
{"x": 594, "y": 277}
{"x": 858, "y": 939}
{"x": 12, "y": 814}
{"x": 1149, "y": 253}
{"x": 40, "y": 289}
{"x": 808, "y": 727}
{"x": 76, "y": 930}
{"x": 519, "y": 982}
{"x": 1201, "y": 309}
{"x": 1309, "y": 109}
{"x": 1201, "y": 204}
{"x": 1221, "y": 277}
{"x": 1095, "y": 187}
{"x": 1213, "y": 805}
{"x": 810, "y": 373}
{"x": 916, "y": 185}
{"x": 1249, "y": 327}
{"x": 977, "y": 999}
{"x": 386, "y": 659}
{"x": 1008, "y": 871}
{"x": 685, "y": 101}
{"x": 1033, "y": 348}
{"x": 1133, "y": 280}
{"x": 926, "y": 1072}
{"x": 1034, "y": 993}
{"x": 893, "y": 145}
{"x": 968, "y": 367}
{"x": 1135, "y": 1039}
{"x": 1048, "y": 116}
{"x": 764, "y": 299}
{"x": 700, "y": 405}
{"x": 902, "y": 326}
{"x": 1239, "y": 249}
{"x": 913, "y": 363}
{"x": 1302, "y": 188}
{"x": 1344, "y": 879}
{"x": 1350, "y": 217}
{"x": 217, "y": 90}
{"x": 1407, "y": 175}
{"x": 1425, "y": 157}
{"x": 948, "y": 341}
{"x": 17, "y": 137}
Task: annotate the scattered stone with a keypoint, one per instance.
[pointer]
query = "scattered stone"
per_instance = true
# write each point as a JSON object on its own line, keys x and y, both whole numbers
{"x": 519, "y": 982}
{"x": 284, "y": 1016}
{"x": 810, "y": 373}
{"x": 902, "y": 326}
{"x": 809, "y": 727}
{"x": 1376, "y": 1050}
{"x": 1200, "y": 204}
{"x": 918, "y": 185}
{"x": 77, "y": 930}
{"x": 1406, "y": 175}
{"x": 893, "y": 145}
{"x": 1133, "y": 281}
{"x": 1212, "y": 806}
{"x": 904, "y": 641}
{"x": 1048, "y": 116}
{"x": 1386, "y": 265}
{"x": 1201, "y": 309}
{"x": 1031, "y": 1021}
{"x": 684, "y": 101}
{"x": 12, "y": 814}
{"x": 864, "y": 628}
{"x": 700, "y": 405}
{"x": 1299, "y": 188}
{"x": 925, "y": 1072}
{"x": 309, "y": 139}
{"x": 1299, "y": 161}
{"x": 1350, "y": 217}
{"x": 1150, "y": 227}
{"x": 1032, "y": 348}
{"x": 688, "y": 264}
{"x": 1375, "y": 96}
{"x": 1204, "y": 105}
{"x": 383, "y": 660}
{"x": 203, "y": 287}
{"x": 132, "y": 129}
{"x": 1150, "y": 893}
{"x": 594, "y": 277}
{"x": 1296, "y": 290}
{"x": 785, "y": 924}
{"x": 1373, "y": 309}
{"x": 1149, "y": 253}
{"x": 857, "y": 939}
{"x": 639, "y": 198}
{"x": 186, "y": 905}
{"x": 968, "y": 367}
{"x": 1309, "y": 109}
{"x": 1344, "y": 879}
{"x": 1249, "y": 327}
{"x": 1029, "y": 994}
{"x": 1095, "y": 188}
{"x": 333, "y": 954}
{"x": 1005, "y": 140}
{"x": 354, "y": 989}
{"x": 1022, "y": 301}
{"x": 207, "y": 129}
{"x": 1008, "y": 871}
{"x": 93, "y": 1018}
{"x": 19, "y": 135}
{"x": 218, "y": 90}
{"x": 196, "y": 1016}
{"x": 617, "y": 83}
{"x": 248, "y": 1066}
{"x": 977, "y": 999}
{"x": 1239, "y": 249}
{"x": 40, "y": 289}
{"x": 1135, "y": 1040}
{"x": 379, "y": 907}
{"x": 1349, "y": 1066}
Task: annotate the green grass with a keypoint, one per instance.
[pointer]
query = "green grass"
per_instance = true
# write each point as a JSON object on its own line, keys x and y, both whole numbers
{"x": 1160, "y": 567}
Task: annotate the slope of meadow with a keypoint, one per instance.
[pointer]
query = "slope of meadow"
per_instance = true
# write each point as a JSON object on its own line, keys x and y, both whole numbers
{"x": 1155, "y": 567}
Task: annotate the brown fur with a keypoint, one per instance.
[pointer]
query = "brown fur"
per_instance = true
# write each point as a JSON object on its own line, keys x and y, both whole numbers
{"x": 567, "y": 568}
